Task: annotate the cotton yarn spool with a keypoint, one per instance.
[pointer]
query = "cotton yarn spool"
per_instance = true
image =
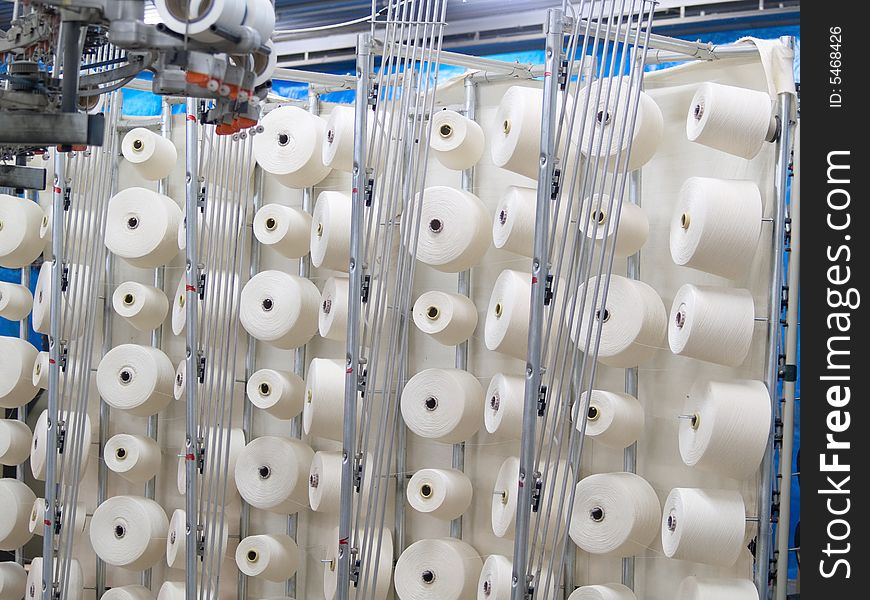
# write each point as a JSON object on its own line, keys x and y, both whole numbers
{"x": 143, "y": 306}
{"x": 13, "y": 581}
{"x": 272, "y": 472}
{"x": 135, "y": 378}
{"x": 713, "y": 324}
{"x": 179, "y": 310}
{"x": 280, "y": 309}
{"x": 284, "y": 229}
{"x": 128, "y": 592}
{"x": 45, "y": 232}
{"x": 445, "y": 405}
{"x": 74, "y": 589}
{"x": 338, "y": 139}
{"x": 330, "y": 231}
{"x": 279, "y": 393}
{"x": 196, "y": 20}
{"x": 332, "y": 314}
{"x": 176, "y": 540}
{"x": 20, "y": 220}
{"x": 634, "y": 321}
{"x": 716, "y": 225}
{"x": 323, "y": 413}
{"x": 40, "y": 443}
{"x": 456, "y": 141}
{"x": 728, "y": 426}
{"x": 273, "y": 557}
{"x": 614, "y": 419}
{"x": 324, "y": 482}
{"x": 15, "y": 440}
{"x": 731, "y": 119}
{"x": 449, "y": 319}
{"x": 442, "y": 493}
{"x": 454, "y": 232}
{"x": 506, "y": 328}
{"x": 494, "y": 582}
{"x": 616, "y": 514}
{"x": 142, "y": 227}
{"x": 260, "y": 16}
{"x": 503, "y": 405}
{"x": 129, "y": 532}
{"x": 291, "y": 147}
{"x": 16, "y": 301}
{"x": 610, "y": 110}
{"x": 152, "y": 155}
{"x": 136, "y": 458}
{"x": 179, "y": 389}
{"x": 704, "y": 526}
{"x": 72, "y": 308}
{"x": 504, "y": 498}
{"x": 516, "y": 135}
{"x": 171, "y": 590}
{"x": 40, "y": 370}
{"x": 16, "y": 372}
{"x": 513, "y": 227}
{"x": 17, "y": 500}
{"x": 37, "y": 517}
{"x": 437, "y": 569}
{"x": 379, "y": 586}
{"x": 704, "y": 588}
{"x": 609, "y": 591}
{"x": 597, "y": 219}
{"x": 265, "y": 65}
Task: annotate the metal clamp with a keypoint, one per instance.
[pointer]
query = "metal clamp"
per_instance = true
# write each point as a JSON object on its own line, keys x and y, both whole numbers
{"x": 548, "y": 290}
{"x": 201, "y": 290}
{"x": 67, "y": 192}
{"x": 362, "y": 381}
{"x": 61, "y": 436}
{"x": 563, "y": 74}
{"x": 369, "y": 191}
{"x": 364, "y": 288}
{"x": 200, "y": 371}
{"x": 357, "y": 472}
{"x": 542, "y": 401}
{"x": 555, "y": 184}
{"x": 64, "y": 277}
{"x": 536, "y": 493}
{"x": 373, "y": 95}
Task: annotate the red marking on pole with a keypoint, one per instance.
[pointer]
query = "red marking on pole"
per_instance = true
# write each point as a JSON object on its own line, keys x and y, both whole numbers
{"x": 349, "y": 370}
{"x": 548, "y": 73}
{"x": 355, "y": 190}
{"x": 521, "y": 483}
{"x": 57, "y": 190}
{"x": 190, "y": 288}
{"x": 342, "y": 541}
{"x": 189, "y": 457}
{"x": 47, "y": 522}
{"x": 534, "y": 279}
{"x": 51, "y": 361}
{"x": 191, "y": 117}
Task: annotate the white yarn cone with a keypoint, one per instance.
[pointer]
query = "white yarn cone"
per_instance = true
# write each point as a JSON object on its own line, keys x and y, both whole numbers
{"x": 704, "y": 526}
{"x": 129, "y": 532}
{"x": 442, "y": 493}
{"x": 20, "y": 220}
{"x": 16, "y": 301}
{"x": 283, "y": 229}
{"x": 279, "y": 393}
{"x": 272, "y": 473}
{"x": 503, "y": 406}
{"x": 449, "y": 319}
{"x": 454, "y": 232}
{"x": 280, "y": 309}
{"x": 437, "y": 569}
{"x": 142, "y": 227}
{"x": 444, "y": 405}
{"x": 290, "y": 147}
{"x": 456, "y": 141}
{"x": 613, "y": 418}
{"x": 152, "y": 155}
{"x": 138, "y": 379}
{"x": 143, "y": 306}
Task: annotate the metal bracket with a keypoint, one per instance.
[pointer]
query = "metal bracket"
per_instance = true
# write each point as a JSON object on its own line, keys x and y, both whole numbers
{"x": 369, "y": 191}
{"x": 200, "y": 198}
{"x": 788, "y": 373}
{"x": 563, "y": 74}
{"x": 200, "y": 456}
{"x": 365, "y": 286}
{"x": 362, "y": 381}
{"x": 67, "y": 200}
{"x": 201, "y": 290}
{"x": 62, "y": 355}
{"x": 784, "y": 297}
{"x": 373, "y": 95}
{"x": 555, "y": 184}
{"x": 57, "y": 520}
{"x": 64, "y": 277}
{"x": 200, "y": 371}
{"x": 542, "y": 401}
{"x": 200, "y": 545}
{"x": 357, "y": 472}
{"x": 61, "y": 436}
{"x": 536, "y": 493}
{"x": 354, "y": 573}
{"x": 548, "y": 290}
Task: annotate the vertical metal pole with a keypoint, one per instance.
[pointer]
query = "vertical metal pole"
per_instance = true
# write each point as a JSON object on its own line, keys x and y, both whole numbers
{"x": 192, "y": 270}
{"x": 250, "y": 367}
{"x": 463, "y": 286}
{"x": 363, "y": 85}
{"x": 157, "y": 334}
{"x": 788, "y": 387}
{"x": 540, "y": 271}
{"x": 629, "y": 457}
{"x": 299, "y": 357}
{"x": 105, "y": 410}
{"x": 54, "y": 347}
{"x": 765, "y": 497}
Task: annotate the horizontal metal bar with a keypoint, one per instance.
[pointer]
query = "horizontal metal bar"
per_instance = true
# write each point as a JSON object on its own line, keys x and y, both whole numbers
{"x": 51, "y": 128}
{"x": 715, "y": 53}
{"x": 478, "y": 63}
{"x": 329, "y": 80}
{"x": 18, "y": 177}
